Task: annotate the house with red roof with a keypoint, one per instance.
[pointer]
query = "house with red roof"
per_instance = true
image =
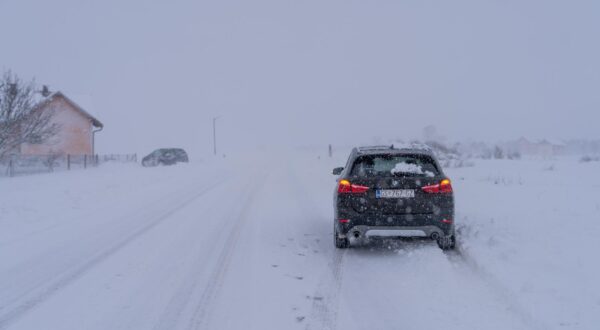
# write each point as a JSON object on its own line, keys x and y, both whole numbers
{"x": 77, "y": 128}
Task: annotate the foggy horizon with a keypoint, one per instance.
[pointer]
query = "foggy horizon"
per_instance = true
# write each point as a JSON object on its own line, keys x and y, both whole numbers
{"x": 369, "y": 169}
{"x": 289, "y": 73}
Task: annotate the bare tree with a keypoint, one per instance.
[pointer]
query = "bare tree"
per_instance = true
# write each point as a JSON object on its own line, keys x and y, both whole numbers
{"x": 20, "y": 120}
{"x": 498, "y": 153}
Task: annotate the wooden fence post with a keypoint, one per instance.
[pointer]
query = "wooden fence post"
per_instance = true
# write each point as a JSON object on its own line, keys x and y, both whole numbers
{"x": 10, "y": 168}
{"x": 68, "y": 162}
{"x": 84, "y": 161}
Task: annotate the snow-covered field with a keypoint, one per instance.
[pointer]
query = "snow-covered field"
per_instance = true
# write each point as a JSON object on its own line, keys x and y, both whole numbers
{"x": 247, "y": 244}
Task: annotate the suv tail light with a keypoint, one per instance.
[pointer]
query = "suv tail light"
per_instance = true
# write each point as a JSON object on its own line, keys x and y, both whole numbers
{"x": 345, "y": 187}
{"x": 444, "y": 187}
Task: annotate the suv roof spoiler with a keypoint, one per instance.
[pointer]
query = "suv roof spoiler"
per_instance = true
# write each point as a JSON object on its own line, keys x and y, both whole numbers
{"x": 418, "y": 146}
{"x": 366, "y": 148}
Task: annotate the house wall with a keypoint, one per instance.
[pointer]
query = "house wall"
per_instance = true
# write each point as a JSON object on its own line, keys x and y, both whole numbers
{"x": 74, "y": 136}
{"x": 542, "y": 149}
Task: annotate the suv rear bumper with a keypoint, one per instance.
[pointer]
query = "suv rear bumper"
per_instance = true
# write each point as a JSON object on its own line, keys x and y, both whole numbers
{"x": 363, "y": 231}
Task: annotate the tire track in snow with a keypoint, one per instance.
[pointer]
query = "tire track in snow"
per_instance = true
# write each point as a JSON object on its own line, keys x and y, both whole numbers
{"x": 99, "y": 206}
{"x": 464, "y": 259}
{"x": 182, "y": 298}
{"x": 31, "y": 299}
{"x": 325, "y": 305}
{"x": 323, "y": 314}
{"x": 201, "y": 315}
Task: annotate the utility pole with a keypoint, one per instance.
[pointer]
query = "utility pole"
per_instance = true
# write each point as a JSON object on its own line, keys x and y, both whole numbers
{"x": 215, "y": 134}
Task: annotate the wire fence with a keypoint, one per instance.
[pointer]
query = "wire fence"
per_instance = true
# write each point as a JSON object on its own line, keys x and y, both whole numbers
{"x": 16, "y": 165}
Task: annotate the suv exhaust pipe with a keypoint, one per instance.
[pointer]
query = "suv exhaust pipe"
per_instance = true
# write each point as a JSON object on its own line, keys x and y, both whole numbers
{"x": 356, "y": 234}
{"x": 435, "y": 236}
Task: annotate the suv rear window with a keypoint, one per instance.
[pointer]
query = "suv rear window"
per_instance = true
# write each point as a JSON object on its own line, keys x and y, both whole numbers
{"x": 405, "y": 165}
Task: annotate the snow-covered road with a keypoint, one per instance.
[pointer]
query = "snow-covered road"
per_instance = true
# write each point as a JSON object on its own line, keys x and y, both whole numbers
{"x": 246, "y": 244}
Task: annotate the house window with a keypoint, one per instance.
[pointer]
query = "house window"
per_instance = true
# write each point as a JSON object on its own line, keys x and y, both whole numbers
{"x": 36, "y": 139}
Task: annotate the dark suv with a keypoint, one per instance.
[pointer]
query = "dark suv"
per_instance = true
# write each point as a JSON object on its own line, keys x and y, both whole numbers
{"x": 393, "y": 192}
{"x": 165, "y": 156}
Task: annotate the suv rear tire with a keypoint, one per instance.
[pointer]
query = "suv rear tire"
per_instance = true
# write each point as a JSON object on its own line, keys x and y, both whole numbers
{"x": 447, "y": 242}
{"x": 340, "y": 243}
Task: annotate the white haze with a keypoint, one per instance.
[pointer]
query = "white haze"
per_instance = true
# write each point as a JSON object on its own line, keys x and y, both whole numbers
{"x": 283, "y": 73}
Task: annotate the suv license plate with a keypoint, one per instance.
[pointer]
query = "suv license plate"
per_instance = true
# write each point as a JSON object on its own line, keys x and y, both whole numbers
{"x": 395, "y": 193}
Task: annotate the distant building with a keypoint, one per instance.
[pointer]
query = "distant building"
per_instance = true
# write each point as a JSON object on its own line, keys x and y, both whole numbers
{"x": 522, "y": 146}
{"x": 76, "y": 128}
{"x": 541, "y": 148}
{"x": 553, "y": 147}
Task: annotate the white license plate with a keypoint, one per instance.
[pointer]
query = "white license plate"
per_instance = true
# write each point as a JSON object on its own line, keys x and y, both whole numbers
{"x": 395, "y": 193}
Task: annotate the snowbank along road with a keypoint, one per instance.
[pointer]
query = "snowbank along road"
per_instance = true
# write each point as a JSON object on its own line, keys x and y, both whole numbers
{"x": 247, "y": 244}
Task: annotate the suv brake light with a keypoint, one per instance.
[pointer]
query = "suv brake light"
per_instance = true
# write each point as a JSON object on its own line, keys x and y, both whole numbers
{"x": 444, "y": 187}
{"x": 345, "y": 187}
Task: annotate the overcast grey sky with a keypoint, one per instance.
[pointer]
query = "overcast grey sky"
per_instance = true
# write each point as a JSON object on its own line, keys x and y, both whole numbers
{"x": 313, "y": 71}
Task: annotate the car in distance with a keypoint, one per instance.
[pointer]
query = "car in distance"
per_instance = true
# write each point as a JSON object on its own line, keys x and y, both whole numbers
{"x": 393, "y": 192}
{"x": 165, "y": 156}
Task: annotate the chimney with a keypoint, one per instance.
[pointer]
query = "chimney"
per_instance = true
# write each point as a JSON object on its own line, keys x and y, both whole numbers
{"x": 45, "y": 91}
